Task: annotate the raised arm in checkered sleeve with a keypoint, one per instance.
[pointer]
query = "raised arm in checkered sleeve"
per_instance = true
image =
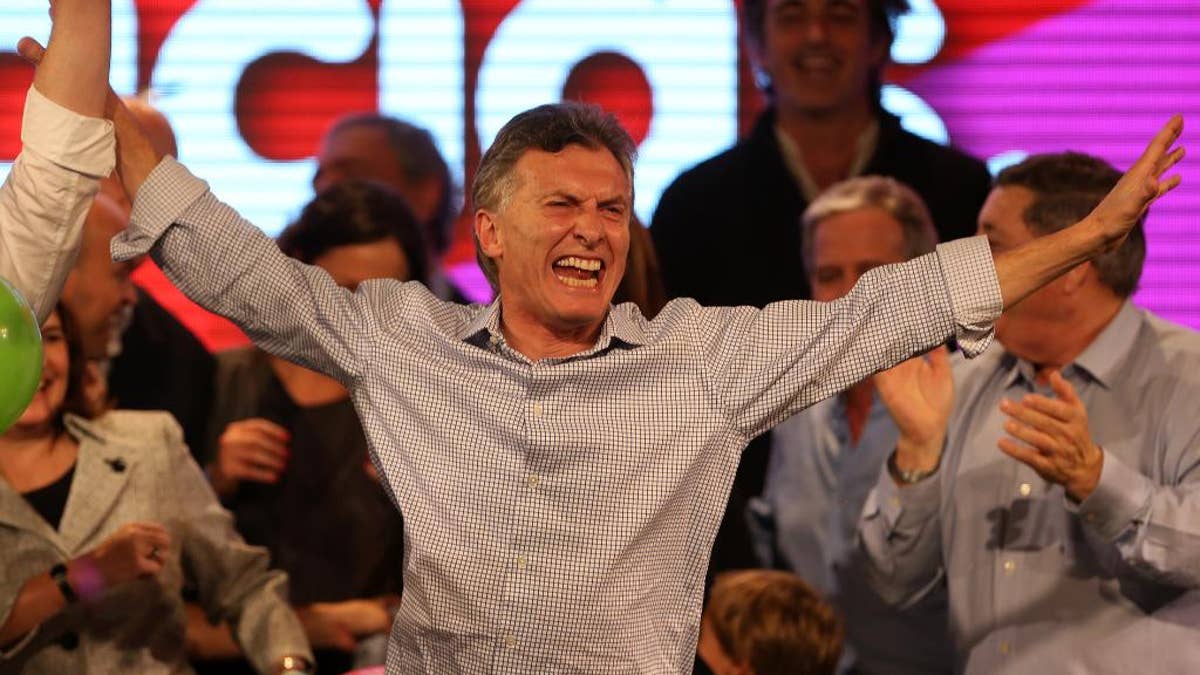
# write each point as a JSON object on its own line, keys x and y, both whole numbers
{"x": 230, "y": 267}
{"x": 765, "y": 365}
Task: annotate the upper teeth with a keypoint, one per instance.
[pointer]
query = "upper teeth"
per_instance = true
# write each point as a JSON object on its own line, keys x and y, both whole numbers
{"x": 579, "y": 263}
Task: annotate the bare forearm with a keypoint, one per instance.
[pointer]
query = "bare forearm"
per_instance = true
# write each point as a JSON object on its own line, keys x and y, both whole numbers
{"x": 1027, "y": 268}
{"x": 74, "y": 71}
{"x": 207, "y": 640}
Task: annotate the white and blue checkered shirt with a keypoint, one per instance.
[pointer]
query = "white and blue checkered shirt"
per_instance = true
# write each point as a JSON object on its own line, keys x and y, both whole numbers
{"x": 558, "y": 514}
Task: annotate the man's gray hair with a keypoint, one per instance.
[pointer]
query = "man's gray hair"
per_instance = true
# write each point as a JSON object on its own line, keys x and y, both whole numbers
{"x": 550, "y": 128}
{"x": 880, "y": 192}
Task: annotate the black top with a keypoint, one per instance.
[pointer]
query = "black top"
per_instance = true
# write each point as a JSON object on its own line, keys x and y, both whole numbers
{"x": 327, "y": 522}
{"x": 50, "y": 501}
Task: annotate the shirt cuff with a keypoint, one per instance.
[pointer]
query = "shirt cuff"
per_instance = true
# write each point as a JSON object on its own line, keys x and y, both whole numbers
{"x": 77, "y": 143}
{"x": 1121, "y": 497}
{"x": 902, "y": 507}
{"x": 970, "y": 276}
{"x": 166, "y": 194}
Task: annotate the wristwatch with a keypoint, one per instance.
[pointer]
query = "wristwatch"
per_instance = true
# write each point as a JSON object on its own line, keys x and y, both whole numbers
{"x": 909, "y": 477}
{"x": 59, "y": 574}
{"x": 295, "y": 665}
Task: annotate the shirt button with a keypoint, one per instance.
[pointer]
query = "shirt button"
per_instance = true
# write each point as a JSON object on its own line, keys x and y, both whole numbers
{"x": 534, "y": 480}
{"x": 1025, "y": 489}
{"x": 895, "y": 502}
{"x": 1009, "y": 566}
{"x": 537, "y": 409}
{"x": 510, "y": 641}
{"x": 522, "y": 562}
{"x": 1005, "y": 648}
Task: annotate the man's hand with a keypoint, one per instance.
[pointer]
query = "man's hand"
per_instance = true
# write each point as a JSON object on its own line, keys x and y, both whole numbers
{"x": 1141, "y": 185}
{"x": 254, "y": 449}
{"x": 136, "y": 154}
{"x": 1057, "y": 442}
{"x": 919, "y": 395}
{"x": 1026, "y": 268}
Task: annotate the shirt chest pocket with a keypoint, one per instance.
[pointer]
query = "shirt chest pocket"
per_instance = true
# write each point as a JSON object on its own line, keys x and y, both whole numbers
{"x": 1044, "y": 524}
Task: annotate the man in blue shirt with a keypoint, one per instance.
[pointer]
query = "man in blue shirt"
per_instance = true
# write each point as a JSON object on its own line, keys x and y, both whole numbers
{"x": 1083, "y": 521}
{"x": 826, "y": 459}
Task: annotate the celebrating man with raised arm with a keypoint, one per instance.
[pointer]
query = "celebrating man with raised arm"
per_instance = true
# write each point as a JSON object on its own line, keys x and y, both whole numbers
{"x": 68, "y": 148}
{"x": 562, "y": 463}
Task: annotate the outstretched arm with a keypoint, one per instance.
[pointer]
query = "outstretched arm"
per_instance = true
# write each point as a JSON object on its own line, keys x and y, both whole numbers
{"x": 67, "y": 148}
{"x": 1027, "y": 268}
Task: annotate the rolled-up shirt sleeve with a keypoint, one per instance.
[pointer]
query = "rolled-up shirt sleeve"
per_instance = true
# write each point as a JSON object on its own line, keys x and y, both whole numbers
{"x": 46, "y": 197}
{"x": 974, "y": 290}
{"x": 766, "y": 365}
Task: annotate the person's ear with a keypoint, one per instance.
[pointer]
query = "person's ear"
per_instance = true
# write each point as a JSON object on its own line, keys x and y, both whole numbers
{"x": 489, "y": 234}
{"x": 1078, "y": 277}
{"x": 742, "y": 669}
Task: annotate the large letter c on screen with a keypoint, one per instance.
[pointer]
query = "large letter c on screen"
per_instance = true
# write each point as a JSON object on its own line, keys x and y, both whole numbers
{"x": 196, "y": 80}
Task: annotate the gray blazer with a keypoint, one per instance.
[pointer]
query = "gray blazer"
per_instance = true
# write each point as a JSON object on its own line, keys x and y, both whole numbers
{"x": 134, "y": 466}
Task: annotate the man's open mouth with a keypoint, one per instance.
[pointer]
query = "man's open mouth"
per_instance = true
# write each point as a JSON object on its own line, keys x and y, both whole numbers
{"x": 578, "y": 272}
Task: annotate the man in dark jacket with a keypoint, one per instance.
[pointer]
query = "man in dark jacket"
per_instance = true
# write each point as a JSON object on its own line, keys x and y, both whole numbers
{"x": 727, "y": 231}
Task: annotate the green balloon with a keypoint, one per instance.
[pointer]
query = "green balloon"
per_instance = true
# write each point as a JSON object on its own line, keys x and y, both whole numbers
{"x": 20, "y": 355}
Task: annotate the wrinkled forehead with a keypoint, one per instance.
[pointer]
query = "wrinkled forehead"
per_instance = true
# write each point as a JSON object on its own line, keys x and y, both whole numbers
{"x": 593, "y": 169}
{"x": 867, "y": 233}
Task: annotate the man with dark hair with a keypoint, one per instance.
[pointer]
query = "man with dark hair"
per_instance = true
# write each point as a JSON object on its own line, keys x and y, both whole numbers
{"x": 768, "y": 622}
{"x": 561, "y": 463}
{"x": 404, "y": 157}
{"x": 727, "y": 230}
{"x": 1092, "y": 527}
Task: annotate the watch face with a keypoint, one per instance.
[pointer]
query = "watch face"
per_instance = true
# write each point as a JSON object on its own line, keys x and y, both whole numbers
{"x": 295, "y": 665}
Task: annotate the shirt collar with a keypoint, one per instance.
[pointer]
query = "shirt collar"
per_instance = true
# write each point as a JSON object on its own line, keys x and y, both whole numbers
{"x": 81, "y": 427}
{"x": 793, "y": 158}
{"x": 1110, "y": 347}
{"x": 1100, "y": 358}
{"x": 623, "y": 327}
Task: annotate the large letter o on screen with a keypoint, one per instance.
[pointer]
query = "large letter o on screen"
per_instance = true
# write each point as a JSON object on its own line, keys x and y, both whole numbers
{"x": 196, "y": 81}
{"x": 19, "y": 18}
{"x": 687, "y": 49}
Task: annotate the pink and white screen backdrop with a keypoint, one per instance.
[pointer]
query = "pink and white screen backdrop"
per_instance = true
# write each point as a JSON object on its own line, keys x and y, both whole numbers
{"x": 251, "y": 84}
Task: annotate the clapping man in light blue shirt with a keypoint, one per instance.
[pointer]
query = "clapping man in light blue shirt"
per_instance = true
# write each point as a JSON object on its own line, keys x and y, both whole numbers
{"x": 1052, "y": 485}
